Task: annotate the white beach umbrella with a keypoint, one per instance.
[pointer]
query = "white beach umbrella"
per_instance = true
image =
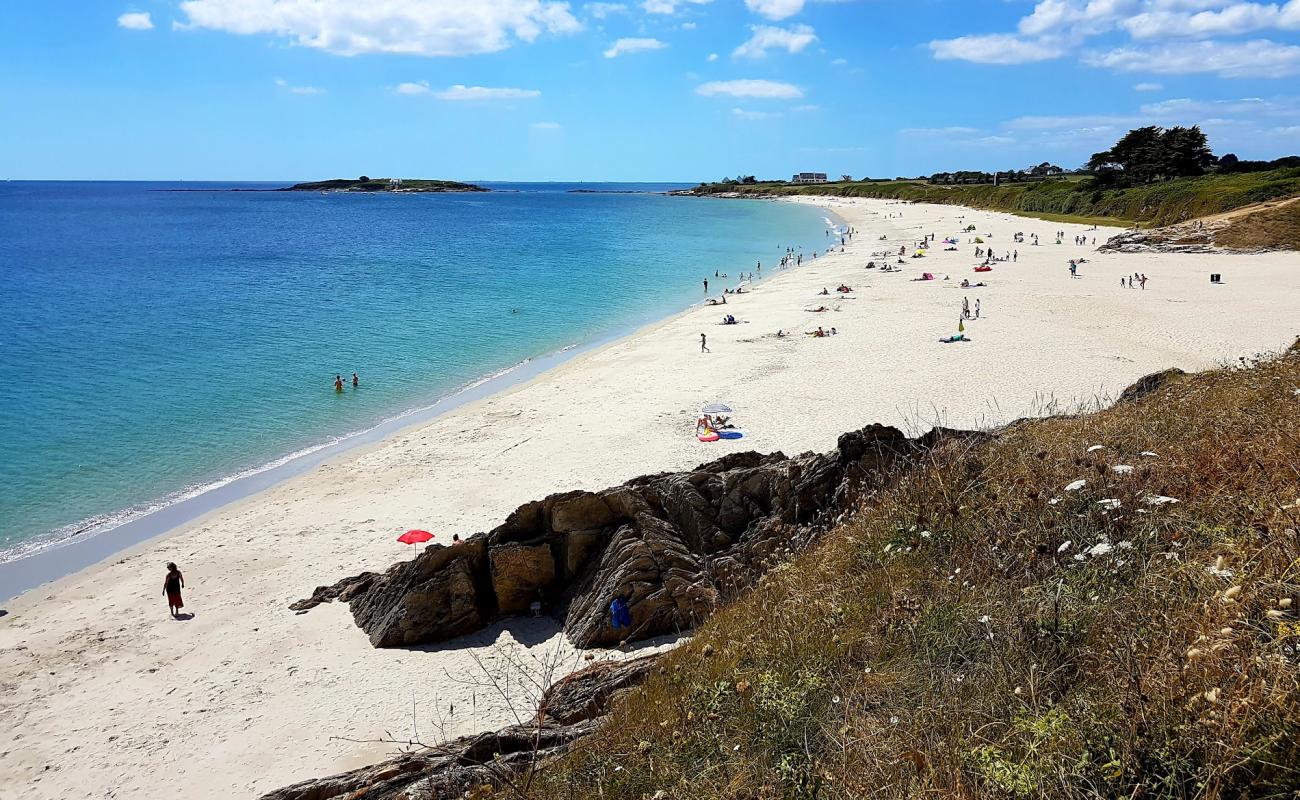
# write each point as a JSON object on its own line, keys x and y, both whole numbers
{"x": 716, "y": 408}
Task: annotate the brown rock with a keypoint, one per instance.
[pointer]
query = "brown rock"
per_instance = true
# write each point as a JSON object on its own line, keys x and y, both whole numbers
{"x": 519, "y": 574}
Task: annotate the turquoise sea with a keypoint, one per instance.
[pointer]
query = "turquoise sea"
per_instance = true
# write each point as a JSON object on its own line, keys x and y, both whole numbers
{"x": 157, "y": 343}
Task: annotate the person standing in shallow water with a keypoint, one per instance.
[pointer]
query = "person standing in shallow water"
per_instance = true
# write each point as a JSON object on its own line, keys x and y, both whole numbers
{"x": 338, "y": 383}
{"x": 355, "y": 381}
{"x": 172, "y": 586}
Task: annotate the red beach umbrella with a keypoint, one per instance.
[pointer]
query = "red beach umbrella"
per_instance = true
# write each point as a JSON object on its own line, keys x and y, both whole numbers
{"x": 415, "y": 537}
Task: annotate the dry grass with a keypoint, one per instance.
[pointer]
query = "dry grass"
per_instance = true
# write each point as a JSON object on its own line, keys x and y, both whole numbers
{"x": 1274, "y": 228}
{"x": 979, "y": 631}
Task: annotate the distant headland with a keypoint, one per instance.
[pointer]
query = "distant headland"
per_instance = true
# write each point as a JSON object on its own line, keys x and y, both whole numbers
{"x": 368, "y": 184}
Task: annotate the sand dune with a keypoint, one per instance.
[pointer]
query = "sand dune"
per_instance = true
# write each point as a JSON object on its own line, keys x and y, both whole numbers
{"x": 104, "y": 695}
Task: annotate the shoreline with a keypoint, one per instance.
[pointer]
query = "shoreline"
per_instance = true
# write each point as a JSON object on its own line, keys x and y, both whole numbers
{"x": 88, "y": 543}
{"x": 100, "y": 678}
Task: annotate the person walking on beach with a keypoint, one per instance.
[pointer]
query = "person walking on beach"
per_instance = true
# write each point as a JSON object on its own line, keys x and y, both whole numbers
{"x": 355, "y": 381}
{"x": 977, "y": 308}
{"x": 338, "y": 383}
{"x": 1143, "y": 280}
{"x": 704, "y": 344}
{"x": 172, "y": 586}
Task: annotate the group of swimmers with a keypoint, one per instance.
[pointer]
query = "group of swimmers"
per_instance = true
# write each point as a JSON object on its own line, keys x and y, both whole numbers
{"x": 338, "y": 382}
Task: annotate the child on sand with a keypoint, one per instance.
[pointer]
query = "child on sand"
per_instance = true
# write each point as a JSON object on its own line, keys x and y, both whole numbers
{"x": 172, "y": 586}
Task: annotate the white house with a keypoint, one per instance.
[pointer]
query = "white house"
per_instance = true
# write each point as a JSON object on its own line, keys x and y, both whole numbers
{"x": 809, "y": 177}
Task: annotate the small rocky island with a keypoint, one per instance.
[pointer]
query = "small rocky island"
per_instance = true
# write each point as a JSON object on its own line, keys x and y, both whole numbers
{"x": 368, "y": 184}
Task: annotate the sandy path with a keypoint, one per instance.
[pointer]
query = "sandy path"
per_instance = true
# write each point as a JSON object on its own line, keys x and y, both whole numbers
{"x": 102, "y": 694}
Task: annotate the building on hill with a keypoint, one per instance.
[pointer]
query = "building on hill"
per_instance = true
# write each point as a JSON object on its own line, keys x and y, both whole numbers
{"x": 394, "y": 183}
{"x": 809, "y": 177}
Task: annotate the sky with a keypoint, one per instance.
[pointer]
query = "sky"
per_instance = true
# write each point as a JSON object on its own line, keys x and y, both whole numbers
{"x": 641, "y": 90}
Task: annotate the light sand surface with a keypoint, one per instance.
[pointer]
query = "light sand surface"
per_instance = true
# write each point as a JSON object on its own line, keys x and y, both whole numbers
{"x": 104, "y": 696}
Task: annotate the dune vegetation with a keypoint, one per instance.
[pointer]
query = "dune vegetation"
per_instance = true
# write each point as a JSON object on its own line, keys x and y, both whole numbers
{"x": 1091, "y": 605}
{"x": 1070, "y": 198}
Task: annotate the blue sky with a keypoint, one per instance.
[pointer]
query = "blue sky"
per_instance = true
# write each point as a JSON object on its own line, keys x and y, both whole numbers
{"x": 673, "y": 90}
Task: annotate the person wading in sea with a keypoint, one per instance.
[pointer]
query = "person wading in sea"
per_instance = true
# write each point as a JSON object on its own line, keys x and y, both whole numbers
{"x": 172, "y": 586}
{"x": 338, "y": 383}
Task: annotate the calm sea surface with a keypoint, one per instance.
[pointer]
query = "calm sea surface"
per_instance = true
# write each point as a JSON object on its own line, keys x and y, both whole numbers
{"x": 154, "y": 343}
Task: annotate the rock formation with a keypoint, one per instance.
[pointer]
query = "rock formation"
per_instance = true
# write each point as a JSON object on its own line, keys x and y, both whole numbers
{"x": 570, "y": 710}
{"x": 675, "y": 544}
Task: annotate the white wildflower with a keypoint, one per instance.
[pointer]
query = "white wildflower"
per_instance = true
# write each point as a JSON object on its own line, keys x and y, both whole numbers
{"x": 1065, "y": 546}
{"x": 1110, "y": 503}
{"x": 1121, "y": 469}
{"x": 1096, "y": 447}
{"x": 1148, "y": 454}
{"x": 1054, "y": 501}
{"x": 984, "y": 620}
{"x": 1159, "y": 500}
{"x": 1099, "y": 549}
{"x": 1075, "y": 486}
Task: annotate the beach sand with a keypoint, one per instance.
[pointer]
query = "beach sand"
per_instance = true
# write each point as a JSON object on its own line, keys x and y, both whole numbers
{"x": 105, "y": 696}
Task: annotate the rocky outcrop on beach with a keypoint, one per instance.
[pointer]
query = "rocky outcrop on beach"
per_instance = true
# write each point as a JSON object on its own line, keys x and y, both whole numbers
{"x": 569, "y": 710}
{"x": 676, "y": 545}
{"x": 1274, "y": 225}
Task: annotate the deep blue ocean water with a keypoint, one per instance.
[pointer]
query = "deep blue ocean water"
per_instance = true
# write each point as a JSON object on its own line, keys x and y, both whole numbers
{"x": 155, "y": 342}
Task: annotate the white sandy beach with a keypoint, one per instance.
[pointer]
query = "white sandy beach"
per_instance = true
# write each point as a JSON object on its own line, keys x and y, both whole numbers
{"x": 105, "y": 696}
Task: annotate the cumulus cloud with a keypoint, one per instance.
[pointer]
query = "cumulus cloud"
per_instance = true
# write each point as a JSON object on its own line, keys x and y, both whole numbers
{"x": 1056, "y": 27}
{"x": 135, "y": 21}
{"x": 472, "y": 93}
{"x": 770, "y": 90}
{"x": 775, "y": 9}
{"x": 995, "y": 48}
{"x": 1254, "y": 59}
{"x": 603, "y": 10}
{"x": 409, "y": 27}
{"x": 669, "y": 6}
{"x": 712, "y": 57}
{"x": 635, "y": 45}
{"x": 769, "y": 37}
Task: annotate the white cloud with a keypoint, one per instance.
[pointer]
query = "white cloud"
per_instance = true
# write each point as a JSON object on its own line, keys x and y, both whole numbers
{"x": 1234, "y": 20}
{"x": 712, "y": 57}
{"x": 1255, "y": 59}
{"x": 291, "y": 89}
{"x": 135, "y": 21}
{"x": 636, "y": 45}
{"x": 806, "y": 108}
{"x": 771, "y": 90}
{"x": 775, "y": 9}
{"x": 741, "y": 113}
{"x": 995, "y": 48}
{"x": 471, "y": 93}
{"x": 545, "y": 126}
{"x": 422, "y": 87}
{"x": 769, "y": 37}
{"x": 669, "y": 6}
{"x": 1057, "y": 27}
{"x": 409, "y": 27}
{"x": 687, "y": 26}
{"x": 839, "y": 62}
{"x": 952, "y": 130}
{"x": 604, "y": 10}
{"x": 1148, "y": 87}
